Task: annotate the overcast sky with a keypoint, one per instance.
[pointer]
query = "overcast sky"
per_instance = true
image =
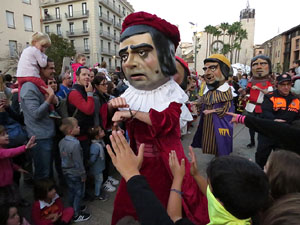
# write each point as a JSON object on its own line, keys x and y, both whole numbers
{"x": 271, "y": 16}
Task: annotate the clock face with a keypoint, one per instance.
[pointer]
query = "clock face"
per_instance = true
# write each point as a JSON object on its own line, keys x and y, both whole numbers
{"x": 217, "y": 46}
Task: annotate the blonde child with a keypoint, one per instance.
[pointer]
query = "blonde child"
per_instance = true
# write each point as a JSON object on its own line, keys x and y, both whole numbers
{"x": 32, "y": 59}
{"x": 80, "y": 60}
{"x": 72, "y": 166}
{"x": 48, "y": 208}
{"x": 8, "y": 191}
{"x": 97, "y": 160}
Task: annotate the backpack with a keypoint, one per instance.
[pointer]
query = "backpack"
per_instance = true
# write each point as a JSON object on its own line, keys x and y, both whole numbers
{"x": 62, "y": 109}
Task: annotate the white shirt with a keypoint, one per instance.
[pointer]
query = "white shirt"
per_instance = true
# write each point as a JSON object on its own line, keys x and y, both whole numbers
{"x": 31, "y": 60}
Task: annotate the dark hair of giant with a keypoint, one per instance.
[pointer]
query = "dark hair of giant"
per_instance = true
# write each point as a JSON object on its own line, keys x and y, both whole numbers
{"x": 284, "y": 211}
{"x": 164, "y": 47}
{"x": 283, "y": 171}
{"x": 240, "y": 185}
{"x": 264, "y": 57}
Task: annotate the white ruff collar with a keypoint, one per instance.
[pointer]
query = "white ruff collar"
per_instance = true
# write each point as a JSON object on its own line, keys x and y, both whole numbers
{"x": 158, "y": 99}
{"x": 223, "y": 88}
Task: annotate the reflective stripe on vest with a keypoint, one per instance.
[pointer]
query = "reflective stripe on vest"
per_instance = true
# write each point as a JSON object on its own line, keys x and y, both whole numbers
{"x": 279, "y": 103}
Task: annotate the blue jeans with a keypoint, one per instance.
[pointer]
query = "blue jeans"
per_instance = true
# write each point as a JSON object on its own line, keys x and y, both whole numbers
{"x": 75, "y": 192}
{"x": 98, "y": 182}
{"x": 42, "y": 158}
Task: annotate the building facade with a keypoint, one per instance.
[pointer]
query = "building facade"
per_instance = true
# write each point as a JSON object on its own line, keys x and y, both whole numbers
{"x": 19, "y": 19}
{"x": 283, "y": 49}
{"x": 92, "y": 26}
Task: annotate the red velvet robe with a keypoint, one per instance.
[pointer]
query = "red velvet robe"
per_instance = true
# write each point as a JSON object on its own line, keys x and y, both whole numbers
{"x": 159, "y": 139}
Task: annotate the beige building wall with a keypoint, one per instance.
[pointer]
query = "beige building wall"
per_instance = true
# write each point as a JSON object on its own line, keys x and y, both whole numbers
{"x": 96, "y": 26}
{"x": 13, "y": 36}
{"x": 295, "y": 49}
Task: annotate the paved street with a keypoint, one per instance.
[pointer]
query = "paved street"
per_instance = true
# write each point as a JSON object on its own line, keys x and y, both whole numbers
{"x": 101, "y": 211}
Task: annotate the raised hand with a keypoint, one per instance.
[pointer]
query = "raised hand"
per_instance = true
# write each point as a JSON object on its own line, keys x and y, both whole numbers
{"x": 194, "y": 168}
{"x": 119, "y": 102}
{"x": 123, "y": 158}
{"x": 31, "y": 143}
{"x": 178, "y": 170}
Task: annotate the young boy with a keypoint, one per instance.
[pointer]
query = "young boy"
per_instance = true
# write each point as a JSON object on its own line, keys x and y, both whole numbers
{"x": 72, "y": 166}
{"x": 236, "y": 189}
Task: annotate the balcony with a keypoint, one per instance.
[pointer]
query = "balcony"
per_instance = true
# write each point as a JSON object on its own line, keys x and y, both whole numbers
{"x": 116, "y": 39}
{"x": 47, "y": 3}
{"x": 78, "y": 33}
{"x": 77, "y": 15}
{"x": 105, "y": 35}
{"x": 112, "y": 7}
{"x": 51, "y": 19}
{"x": 103, "y": 17}
{"x": 105, "y": 51}
{"x": 118, "y": 26}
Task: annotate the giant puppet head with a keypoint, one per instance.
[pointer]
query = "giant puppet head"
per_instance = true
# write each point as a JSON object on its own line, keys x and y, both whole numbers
{"x": 260, "y": 67}
{"x": 216, "y": 70}
{"x": 147, "y": 50}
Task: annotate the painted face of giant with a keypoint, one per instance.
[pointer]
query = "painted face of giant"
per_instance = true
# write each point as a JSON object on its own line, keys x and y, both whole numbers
{"x": 140, "y": 62}
{"x": 260, "y": 68}
{"x": 213, "y": 73}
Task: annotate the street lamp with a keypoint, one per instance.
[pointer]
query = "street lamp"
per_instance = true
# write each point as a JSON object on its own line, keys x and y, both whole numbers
{"x": 197, "y": 36}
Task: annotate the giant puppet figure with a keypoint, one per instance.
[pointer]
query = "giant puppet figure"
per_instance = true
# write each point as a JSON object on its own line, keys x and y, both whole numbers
{"x": 215, "y": 132}
{"x": 259, "y": 85}
{"x": 156, "y": 102}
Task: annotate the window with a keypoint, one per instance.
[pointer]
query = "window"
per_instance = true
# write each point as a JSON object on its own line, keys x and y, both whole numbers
{"x": 101, "y": 27}
{"x": 108, "y": 15}
{"x": 108, "y": 30}
{"x": 102, "y": 59}
{"x": 115, "y": 49}
{"x": 109, "y": 63}
{"x": 114, "y": 20}
{"x": 114, "y": 3}
{"x": 27, "y": 1}
{"x": 124, "y": 11}
{"x": 84, "y": 9}
{"x": 72, "y": 42}
{"x": 116, "y": 63}
{"x": 12, "y": 48}
{"x": 297, "y": 43}
{"x": 28, "y": 23}
{"x": 47, "y": 30}
{"x": 71, "y": 27}
{"x": 58, "y": 29}
{"x": 86, "y": 44}
{"x": 101, "y": 44}
{"x": 85, "y": 26}
{"x": 115, "y": 35}
{"x": 109, "y": 47}
{"x": 57, "y": 13}
{"x": 100, "y": 10}
{"x": 70, "y": 9}
{"x": 10, "y": 19}
{"x": 119, "y": 22}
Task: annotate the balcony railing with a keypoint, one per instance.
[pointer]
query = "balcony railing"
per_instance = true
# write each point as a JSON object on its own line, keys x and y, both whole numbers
{"x": 116, "y": 39}
{"x": 112, "y": 7}
{"x": 47, "y": 3}
{"x": 51, "y": 19}
{"x": 106, "y": 35}
{"x": 105, "y": 51}
{"x": 118, "y": 26}
{"x": 103, "y": 17}
{"x": 77, "y": 15}
{"x": 85, "y": 50}
{"x": 78, "y": 33}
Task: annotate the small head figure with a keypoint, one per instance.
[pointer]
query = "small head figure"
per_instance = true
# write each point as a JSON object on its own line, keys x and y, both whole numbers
{"x": 41, "y": 41}
{"x": 52, "y": 83}
{"x": 216, "y": 70}
{"x": 80, "y": 58}
{"x": 100, "y": 83}
{"x": 284, "y": 84}
{"x": 83, "y": 76}
{"x": 183, "y": 72}
{"x": 70, "y": 126}
{"x": 239, "y": 185}
{"x": 4, "y": 138}
{"x": 44, "y": 190}
{"x": 260, "y": 66}
{"x": 283, "y": 171}
{"x": 96, "y": 133}
{"x": 147, "y": 50}
{"x": 9, "y": 215}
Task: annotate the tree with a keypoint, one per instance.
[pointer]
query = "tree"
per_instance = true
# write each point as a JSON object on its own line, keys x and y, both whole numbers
{"x": 224, "y": 27}
{"x": 60, "y": 48}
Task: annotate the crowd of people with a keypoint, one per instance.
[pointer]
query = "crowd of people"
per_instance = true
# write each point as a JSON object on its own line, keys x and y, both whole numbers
{"x": 89, "y": 121}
